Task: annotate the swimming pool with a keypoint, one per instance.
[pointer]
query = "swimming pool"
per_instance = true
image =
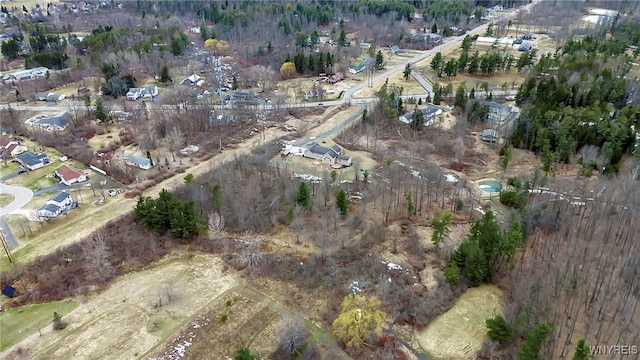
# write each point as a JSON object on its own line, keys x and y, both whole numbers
{"x": 489, "y": 186}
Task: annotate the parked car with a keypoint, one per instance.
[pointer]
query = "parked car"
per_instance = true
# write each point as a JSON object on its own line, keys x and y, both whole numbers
{"x": 22, "y": 171}
{"x": 112, "y": 192}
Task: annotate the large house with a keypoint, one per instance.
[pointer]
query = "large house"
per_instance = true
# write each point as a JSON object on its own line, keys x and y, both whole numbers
{"x": 497, "y": 112}
{"x": 69, "y": 175}
{"x": 429, "y": 114}
{"x": 51, "y": 123}
{"x": 56, "y": 205}
{"x": 328, "y": 155}
{"x": 148, "y": 92}
{"x": 33, "y": 161}
{"x": 138, "y": 161}
{"x": 335, "y": 78}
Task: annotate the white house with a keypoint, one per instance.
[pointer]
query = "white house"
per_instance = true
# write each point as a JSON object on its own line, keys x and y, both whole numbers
{"x": 49, "y": 211}
{"x": 193, "y": 80}
{"x": 149, "y": 92}
{"x": 138, "y": 161}
{"x": 11, "y": 148}
{"x": 69, "y": 175}
{"x": 134, "y": 93}
{"x": 429, "y": 114}
{"x": 61, "y": 199}
{"x": 56, "y": 205}
{"x": 33, "y": 161}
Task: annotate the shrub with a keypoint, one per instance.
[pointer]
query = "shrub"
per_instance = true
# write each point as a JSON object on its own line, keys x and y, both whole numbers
{"x": 452, "y": 273}
{"x": 513, "y": 198}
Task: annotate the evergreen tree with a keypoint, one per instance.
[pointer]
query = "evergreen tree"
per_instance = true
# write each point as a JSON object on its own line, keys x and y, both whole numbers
{"x": 437, "y": 63}
{"x": 441, "y": 227}
{"x": 99, "y": 112}
{"x": 303, "y": 197}
{"x": 417, "y": 120}
{"x": 379, "y": 60}
{"x": 461, "y": 96}
{"x": 342, "y": 204}
{"x": 452, "y": 273}
{"x": 499, "y": 329}
{"x": 165, "y": 77}
{"x": 216, "y": 198}
{"x": 407, "y": 72}
{"x": 583, "y": 351}
{"x": 534, "y": 339}
{"x": 434, "y": 29}
{"x": 244, "y": 354}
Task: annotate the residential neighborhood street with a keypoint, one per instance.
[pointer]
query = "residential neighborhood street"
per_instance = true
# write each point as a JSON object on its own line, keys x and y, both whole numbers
{"x": 22, "y": 196}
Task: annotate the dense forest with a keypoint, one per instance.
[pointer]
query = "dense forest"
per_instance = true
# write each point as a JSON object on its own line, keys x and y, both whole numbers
{"x": 581, "y": 99}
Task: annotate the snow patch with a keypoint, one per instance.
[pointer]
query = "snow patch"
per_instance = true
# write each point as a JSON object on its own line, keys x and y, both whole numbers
{"x": 451, "y": 178}
{"x": 308, "y": 177}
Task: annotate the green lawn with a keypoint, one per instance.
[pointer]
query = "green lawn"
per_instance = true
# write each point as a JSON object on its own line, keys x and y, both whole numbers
{"x": 18, "y": 323}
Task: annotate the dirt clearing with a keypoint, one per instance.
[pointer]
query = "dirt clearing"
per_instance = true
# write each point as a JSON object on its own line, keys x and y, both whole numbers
{"x": 136, "y": 312}
{"x": 460, "y": 332}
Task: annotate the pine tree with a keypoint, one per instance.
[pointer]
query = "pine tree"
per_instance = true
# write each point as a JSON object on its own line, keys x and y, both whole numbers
{"x": 583, "y": 351}
{"x": 440, "y": 223}
{"x": 342, "y": 204}
{"x": 534, "y": 339}
{"x": 379, "y": 60}
{"x": 303, "y": 198}
{"x": 99, "y": 112}
{"x": 407, "y": 72}
{"x": 417, "y": 120}
{"x": 499, "y": 329}
{"x": 165, "y": 77}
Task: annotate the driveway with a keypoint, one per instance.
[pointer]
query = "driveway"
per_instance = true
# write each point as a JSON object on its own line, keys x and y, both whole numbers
{"x": 9, "y": 176}
{"x": 22, "y": 196}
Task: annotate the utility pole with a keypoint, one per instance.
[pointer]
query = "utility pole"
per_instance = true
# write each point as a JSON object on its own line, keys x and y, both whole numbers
{"x": 6, "y": 248}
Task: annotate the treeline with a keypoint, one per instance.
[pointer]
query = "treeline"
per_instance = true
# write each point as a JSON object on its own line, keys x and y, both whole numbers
{"x": 314, "y": 63}
{"x": 486, "y": 64}
{"x": 44, "y": 49}
{"x": 582, "y": 107}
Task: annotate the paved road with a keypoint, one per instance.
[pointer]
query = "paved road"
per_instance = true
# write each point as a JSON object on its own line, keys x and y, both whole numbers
{"x": 22, "y": 196}
{"x": 424, "y": 83}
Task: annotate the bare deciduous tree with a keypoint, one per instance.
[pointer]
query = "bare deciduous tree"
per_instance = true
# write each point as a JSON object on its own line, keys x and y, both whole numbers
{"x": 174, "y": 140}
{"x": 293, "y": 335}
{"x": 96, "y": 258}
{"x": 216, "y": 222}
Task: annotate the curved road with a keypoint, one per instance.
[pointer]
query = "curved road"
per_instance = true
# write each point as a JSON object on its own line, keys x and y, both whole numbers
{"x": 22, "y": 196}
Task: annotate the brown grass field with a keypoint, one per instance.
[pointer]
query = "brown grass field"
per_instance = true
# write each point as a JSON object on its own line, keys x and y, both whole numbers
{"x": 124, "y": 321}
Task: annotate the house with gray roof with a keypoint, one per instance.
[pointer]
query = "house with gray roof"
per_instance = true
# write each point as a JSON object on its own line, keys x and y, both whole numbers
{"x": 497, "y": 112}
{"x": 490, "y": 136}
{"x": 138, "y": 161}
{"x": 328, "y": 155}
{"x": 429, "y": 113}
{"x": 56, "y": 205}
{"x": 33, "y": 161}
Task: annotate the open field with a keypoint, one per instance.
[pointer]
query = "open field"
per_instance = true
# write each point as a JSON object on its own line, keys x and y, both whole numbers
{"x": 411, "y": 86}
{"x": 18, "y": 323}
{"x": 126, "y": 320}
{"x": 460, "y": 332}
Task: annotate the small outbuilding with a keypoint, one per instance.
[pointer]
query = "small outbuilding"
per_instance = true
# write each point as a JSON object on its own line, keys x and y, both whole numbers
{"x": 524, "y": 47}
{"x": 8, "y": 291}
{"x": 490, "y": 136}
